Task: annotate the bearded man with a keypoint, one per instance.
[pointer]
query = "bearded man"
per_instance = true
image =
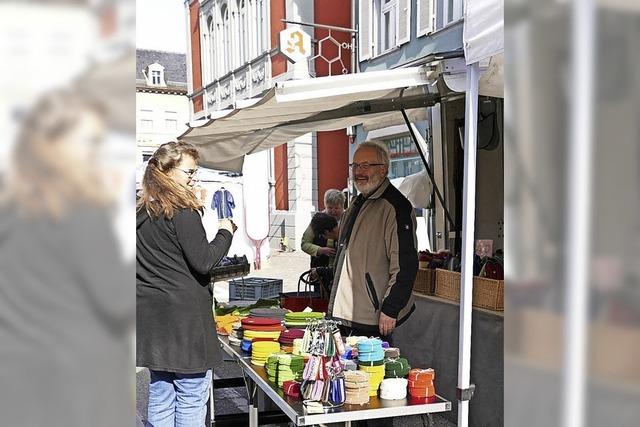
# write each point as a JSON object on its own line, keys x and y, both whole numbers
{"x": 376, "y": 260}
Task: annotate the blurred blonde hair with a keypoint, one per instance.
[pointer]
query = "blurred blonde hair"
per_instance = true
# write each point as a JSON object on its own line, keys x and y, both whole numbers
{"x": 41, "y": 180}
{"x": 161, "y": 195}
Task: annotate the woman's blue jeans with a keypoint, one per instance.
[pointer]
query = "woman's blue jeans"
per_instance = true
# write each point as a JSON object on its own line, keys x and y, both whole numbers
{"x": 178, "y": 400}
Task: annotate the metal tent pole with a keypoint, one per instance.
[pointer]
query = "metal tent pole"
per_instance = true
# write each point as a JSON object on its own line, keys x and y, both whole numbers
{"x": 578, "y": 217}
{"x": 465, "y": 390}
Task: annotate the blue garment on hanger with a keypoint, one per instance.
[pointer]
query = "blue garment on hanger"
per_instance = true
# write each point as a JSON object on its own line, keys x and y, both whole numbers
{"x": 223, "y": 202}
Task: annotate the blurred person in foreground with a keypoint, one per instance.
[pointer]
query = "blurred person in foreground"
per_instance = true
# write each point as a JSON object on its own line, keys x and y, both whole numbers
{"x": 377, "y": 258}
{"x": 66, "y": 300}
{"x": 176, "y": 334}
{"x": 319, "y": 247}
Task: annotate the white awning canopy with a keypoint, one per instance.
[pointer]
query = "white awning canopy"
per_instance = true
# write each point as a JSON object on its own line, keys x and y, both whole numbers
{"x": 294, "y": 108}
{"x": 483, "y": 29}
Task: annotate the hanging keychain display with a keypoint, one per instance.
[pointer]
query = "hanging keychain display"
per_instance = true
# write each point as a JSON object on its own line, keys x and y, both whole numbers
{"x": 323, "y": 379}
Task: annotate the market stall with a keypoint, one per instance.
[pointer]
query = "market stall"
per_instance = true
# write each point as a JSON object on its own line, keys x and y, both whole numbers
{"x": 372, "y": 99}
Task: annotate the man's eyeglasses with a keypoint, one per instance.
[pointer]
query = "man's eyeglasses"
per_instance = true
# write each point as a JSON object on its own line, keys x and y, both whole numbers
{"x": 190, "y": 172}
{"x": 364, "y": 166}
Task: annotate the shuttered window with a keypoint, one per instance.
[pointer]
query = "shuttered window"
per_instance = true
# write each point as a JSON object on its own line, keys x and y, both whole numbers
{"x": 424, "y": 17}
{"x": 446, "y": 12}
{"x": 365, "y": 9}
{"x": 387, "y": 23}
{"x": 384, "y": 25}
{"x": 404, "y": 22}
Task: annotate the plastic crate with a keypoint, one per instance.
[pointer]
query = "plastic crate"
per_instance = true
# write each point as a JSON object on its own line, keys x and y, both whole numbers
{"x": 254, "y": 288}
{"x": 230, "y": 271}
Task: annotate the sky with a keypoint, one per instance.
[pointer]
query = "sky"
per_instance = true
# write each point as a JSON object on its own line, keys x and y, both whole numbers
{"x": 160, "y": 25}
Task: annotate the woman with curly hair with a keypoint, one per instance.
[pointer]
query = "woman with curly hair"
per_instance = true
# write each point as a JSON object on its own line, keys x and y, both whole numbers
{"x": 176, "y": 334}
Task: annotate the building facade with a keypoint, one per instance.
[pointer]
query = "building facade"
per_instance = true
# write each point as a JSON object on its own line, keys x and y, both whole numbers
{"x": 162, "y": 106}
{"x": 234, "y": 55}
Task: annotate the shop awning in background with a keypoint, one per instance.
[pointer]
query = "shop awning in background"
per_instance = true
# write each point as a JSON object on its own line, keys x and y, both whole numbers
{"x": 294, "y": 108}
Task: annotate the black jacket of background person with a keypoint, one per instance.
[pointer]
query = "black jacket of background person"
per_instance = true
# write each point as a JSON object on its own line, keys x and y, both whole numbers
{"x": 320, "y": 260}
{"x": 175, "y": 326}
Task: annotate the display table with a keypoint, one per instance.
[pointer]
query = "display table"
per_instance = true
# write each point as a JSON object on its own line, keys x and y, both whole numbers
{"x": 256, "y": 381}
{"x": 429, "y": 338}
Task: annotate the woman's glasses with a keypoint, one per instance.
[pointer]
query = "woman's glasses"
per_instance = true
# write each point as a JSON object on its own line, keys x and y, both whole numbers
{"x": 190, "y": 172}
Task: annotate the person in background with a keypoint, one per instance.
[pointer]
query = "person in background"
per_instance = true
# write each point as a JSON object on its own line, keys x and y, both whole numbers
{"x": 377, "y": 258}
{"x": 320, "y": 248}
{"x": 176, "y": 335}
{"x": 325, "y": 227}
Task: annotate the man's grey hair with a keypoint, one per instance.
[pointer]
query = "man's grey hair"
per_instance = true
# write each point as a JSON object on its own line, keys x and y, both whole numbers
{"x": 334, "y": 197}
{"x": 381, "y": 149}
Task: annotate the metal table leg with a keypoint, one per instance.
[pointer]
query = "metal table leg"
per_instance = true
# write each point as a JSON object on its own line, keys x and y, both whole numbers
{"x": 253, "y": 404}
{"x": 212, "y": 412}
{"x": 253, "y": 416}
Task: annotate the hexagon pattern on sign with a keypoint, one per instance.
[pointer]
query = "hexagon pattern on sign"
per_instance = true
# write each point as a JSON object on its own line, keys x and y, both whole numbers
{"x": 330, "y": 50}
{"x": 295, "y": 44}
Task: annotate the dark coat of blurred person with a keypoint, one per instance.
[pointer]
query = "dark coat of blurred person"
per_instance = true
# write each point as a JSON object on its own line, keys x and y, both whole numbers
{"x": 66, "y": 297}
{"x": 176, "y": 334}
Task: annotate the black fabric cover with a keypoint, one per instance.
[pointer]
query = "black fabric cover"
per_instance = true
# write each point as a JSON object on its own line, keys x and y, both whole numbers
{"x": 429, "y": 339}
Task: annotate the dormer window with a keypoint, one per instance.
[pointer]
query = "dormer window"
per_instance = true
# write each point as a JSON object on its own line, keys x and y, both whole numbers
{"x": 155, "y": 75}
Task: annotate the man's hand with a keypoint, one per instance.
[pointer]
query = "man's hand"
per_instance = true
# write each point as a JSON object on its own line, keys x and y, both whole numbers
{"x": 386, "y": 324}
{"x": 326, "y": 251}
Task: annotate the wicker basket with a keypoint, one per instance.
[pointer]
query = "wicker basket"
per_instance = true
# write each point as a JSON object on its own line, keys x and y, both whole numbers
{"x": 487, "y": 293}
{"x": 425, "y": 281}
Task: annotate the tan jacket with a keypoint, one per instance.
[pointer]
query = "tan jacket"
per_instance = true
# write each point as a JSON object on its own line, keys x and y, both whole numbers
{"x": 377, "y": 260}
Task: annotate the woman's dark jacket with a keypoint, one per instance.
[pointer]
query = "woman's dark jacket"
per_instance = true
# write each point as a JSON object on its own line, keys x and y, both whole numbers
{"x": 175, "y": 325}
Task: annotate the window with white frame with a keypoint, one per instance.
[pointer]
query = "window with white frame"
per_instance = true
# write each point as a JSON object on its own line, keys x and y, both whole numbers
{"x": 209, "y": 58}
{"x": 146, "y": 125}
{"x": 171, "y": 124}
{"x": 234, "y": 26}
{"x": 404, "y": 156}
{"x": 155, "y": 75}
{"x": 384, "y": 26}
{"x": 448, "y": 12}
{"x": 236, "y": 33}
{"x": 424, "y": 17}
{"x": 204, "y": 52}
{"x": 260, "y": 33}
{"x": 241, "y": 26}
{"x": 219, "y": 44}
{"x": 387, "y": 25}
{"x": 226, "y": 39}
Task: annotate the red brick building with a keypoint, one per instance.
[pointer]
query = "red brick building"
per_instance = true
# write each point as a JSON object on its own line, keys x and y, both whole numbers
{"x": 233, "y": 55}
